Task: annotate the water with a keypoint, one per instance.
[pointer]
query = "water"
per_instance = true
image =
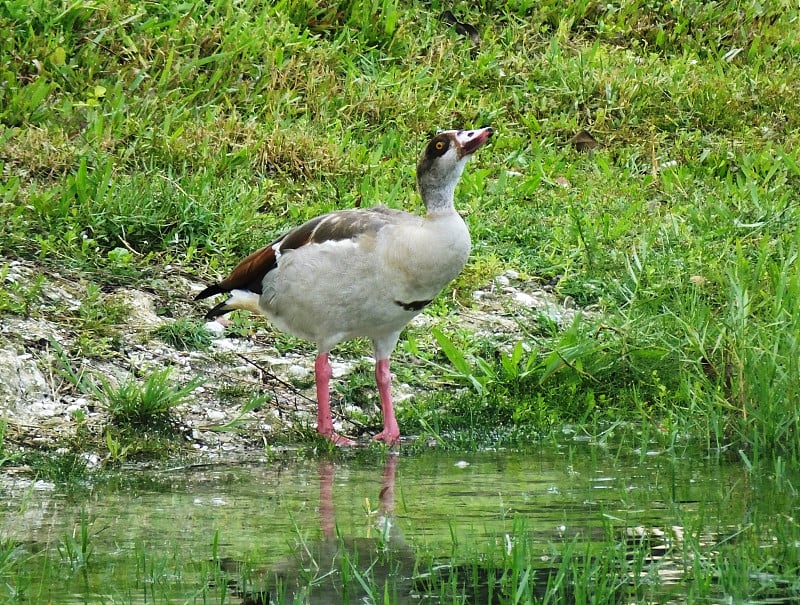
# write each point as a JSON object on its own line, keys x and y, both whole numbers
{"x": 223, "y": 532}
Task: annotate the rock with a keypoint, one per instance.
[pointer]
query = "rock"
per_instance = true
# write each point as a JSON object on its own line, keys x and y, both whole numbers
{"x": 341, "y": 368}
{"x": 298, "y": 372}
{"x": 140, "y": 305}
{"x": 92, "y": 460}
{"x": 216, "y": 415}
{"x": 22, "y": 381}
{"x": 216, "y": 328}
{"x": 526, "y": 300}
{"x": 79, "y": 404}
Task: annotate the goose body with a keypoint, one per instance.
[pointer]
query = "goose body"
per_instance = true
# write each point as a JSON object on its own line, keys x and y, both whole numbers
{"x": 361, "y": 273}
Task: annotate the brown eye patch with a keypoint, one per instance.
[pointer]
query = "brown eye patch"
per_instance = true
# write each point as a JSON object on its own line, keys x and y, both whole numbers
{"x": 438, "y": 146}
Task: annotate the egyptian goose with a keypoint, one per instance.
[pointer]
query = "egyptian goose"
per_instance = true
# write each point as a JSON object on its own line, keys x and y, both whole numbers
{"x": 361, "y": 273}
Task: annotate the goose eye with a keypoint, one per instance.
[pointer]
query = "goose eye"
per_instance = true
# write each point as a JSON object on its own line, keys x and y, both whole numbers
{"x": 439, "y": 145}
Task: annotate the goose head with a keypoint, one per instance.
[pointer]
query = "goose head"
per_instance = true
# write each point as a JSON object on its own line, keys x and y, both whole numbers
{"x": 442, "y": 162}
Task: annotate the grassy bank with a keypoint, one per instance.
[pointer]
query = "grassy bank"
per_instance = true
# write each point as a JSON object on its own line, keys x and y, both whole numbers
{"x": 138, "y": 136}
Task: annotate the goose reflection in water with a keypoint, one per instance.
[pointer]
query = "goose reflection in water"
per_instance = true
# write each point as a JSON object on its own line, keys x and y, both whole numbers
{"x": 341, "y": 569}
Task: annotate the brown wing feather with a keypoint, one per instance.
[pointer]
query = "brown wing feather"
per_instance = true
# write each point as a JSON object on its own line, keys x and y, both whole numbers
{"x": 250, "y": 272}
{"x": 302, "y": 235}
{"x": 334, "y": 226}
{"x": 247, "y": 275}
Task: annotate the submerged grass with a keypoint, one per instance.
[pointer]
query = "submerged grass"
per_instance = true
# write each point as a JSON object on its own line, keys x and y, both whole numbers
{"x": 634, "y": 565}
{"x": 136, "y": 136}
{"x": 580, "y": 523}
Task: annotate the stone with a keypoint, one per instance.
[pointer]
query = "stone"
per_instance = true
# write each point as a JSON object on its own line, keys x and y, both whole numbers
{"x": 22, "y": 381}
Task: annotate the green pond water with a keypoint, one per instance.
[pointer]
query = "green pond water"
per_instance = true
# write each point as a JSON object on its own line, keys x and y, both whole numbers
{"x": 672, "y": 528}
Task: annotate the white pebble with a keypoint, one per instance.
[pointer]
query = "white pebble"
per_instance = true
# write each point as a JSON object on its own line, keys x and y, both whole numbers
{"x": 215, "y": 415}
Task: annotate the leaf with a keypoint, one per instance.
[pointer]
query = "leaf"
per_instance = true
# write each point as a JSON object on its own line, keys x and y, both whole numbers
{"x": 553, "y": 363}
{"x": 35, "y": 93}
{"x": 789, "y": 161}
{"x": 487, "y": 370}
{"x": 58, "y": 57}
{"x": 452, "y": 353}
{"x": 516, "y": 354}
{"x": 509, "y": 367}
{"x": 236, "y": 423}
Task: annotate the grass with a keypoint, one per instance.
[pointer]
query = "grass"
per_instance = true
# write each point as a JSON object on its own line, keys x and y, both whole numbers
{"x": 140, "y": 419}
{"x": 135, "y": 137}
{"x": 147, "y": 404}
{"x": 141, "y": 415}
{"x": 186, "y": 334}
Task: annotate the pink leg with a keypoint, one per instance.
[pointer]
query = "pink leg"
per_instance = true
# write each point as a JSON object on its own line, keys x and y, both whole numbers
{"x": 391, "y": 432}
{"x": 322, "y": 376}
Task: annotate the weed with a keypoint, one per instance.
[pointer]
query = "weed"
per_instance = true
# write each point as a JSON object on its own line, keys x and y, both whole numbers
{"x": 9, "y": 551}
{"x": 97, "y": 311}
{"x": 18, "y": 296}
{"x": 117, "y": 452}
{"x": 65, "y": 468}
{"x": 77, "y": 550}
{"x": 7, "y": 455}
{"x": 240, "y": 420}
{"x": 145, "y": 406}
{"x": 185, "y": 334}
{"x": 589, "y": 372}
